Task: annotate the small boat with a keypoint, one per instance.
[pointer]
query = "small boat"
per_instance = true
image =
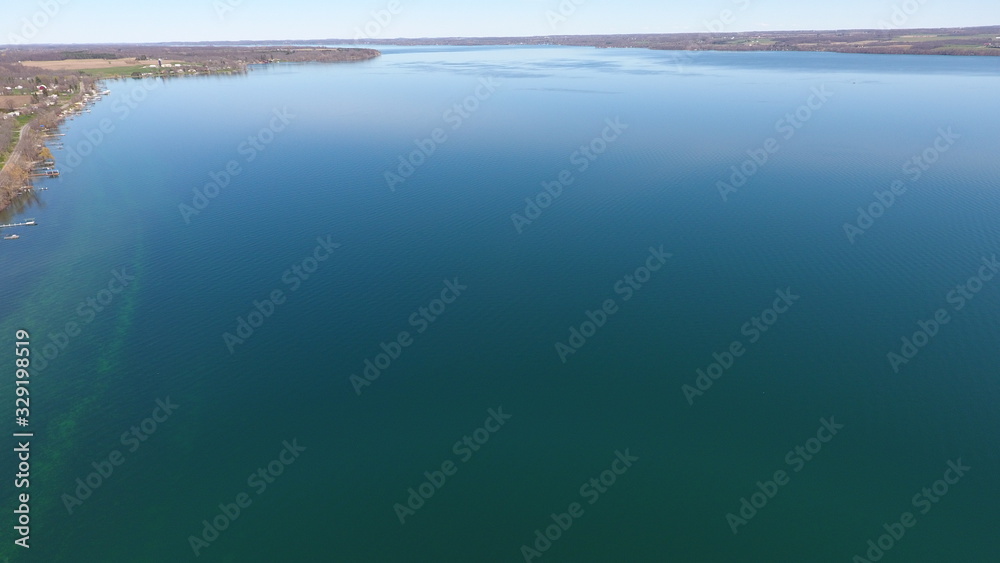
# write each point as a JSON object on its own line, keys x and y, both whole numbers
{"x": 11, "y": 237}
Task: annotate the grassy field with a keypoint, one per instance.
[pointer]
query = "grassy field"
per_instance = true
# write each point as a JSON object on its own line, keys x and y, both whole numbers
{"x": 100, "y": 68}
{"x": 984, "y": 37}
{"x": 971, "y": 48}
{"x": 109, "y": 72}
{"x": 5, "y": 151}
{"x": 761, "y": 41}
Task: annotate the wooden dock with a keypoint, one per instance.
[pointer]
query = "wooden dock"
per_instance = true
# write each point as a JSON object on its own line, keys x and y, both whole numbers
{"x": 27, "y": 223}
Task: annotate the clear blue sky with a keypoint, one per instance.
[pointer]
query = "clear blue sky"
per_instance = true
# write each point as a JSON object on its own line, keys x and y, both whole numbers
{"x": 118, "y": 21}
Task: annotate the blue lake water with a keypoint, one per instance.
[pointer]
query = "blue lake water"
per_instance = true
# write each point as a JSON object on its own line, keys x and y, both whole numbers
{"x": 523, "y": 256}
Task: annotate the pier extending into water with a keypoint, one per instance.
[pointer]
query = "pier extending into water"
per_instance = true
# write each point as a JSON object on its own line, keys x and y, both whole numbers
{"x": 27, "y": 223}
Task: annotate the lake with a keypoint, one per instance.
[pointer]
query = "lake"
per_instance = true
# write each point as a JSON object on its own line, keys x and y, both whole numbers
{"x": 519, "y": 304}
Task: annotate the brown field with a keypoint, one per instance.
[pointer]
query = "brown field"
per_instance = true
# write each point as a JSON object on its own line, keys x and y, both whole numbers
{"x": 84, "y": 64}
{"x": 19, "y": 101}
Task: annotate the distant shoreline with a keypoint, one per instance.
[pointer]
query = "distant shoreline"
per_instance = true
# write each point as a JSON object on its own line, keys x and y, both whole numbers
{"x": 964, "y": 41}
{"x": 977, "y": 41}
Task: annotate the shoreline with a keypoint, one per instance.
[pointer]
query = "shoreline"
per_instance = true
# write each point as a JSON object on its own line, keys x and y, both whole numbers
{"x": 890, "y": 40}
{"x": 19, "y": 169}
{"x": 993, "y": 52}
{"x": 16, "y": 173}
